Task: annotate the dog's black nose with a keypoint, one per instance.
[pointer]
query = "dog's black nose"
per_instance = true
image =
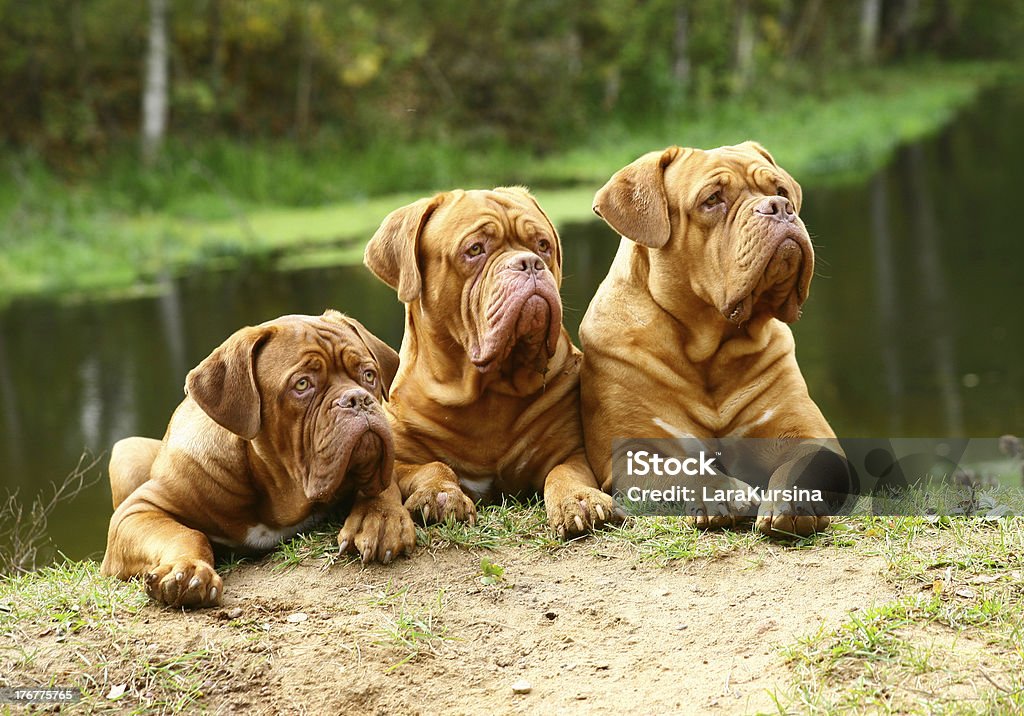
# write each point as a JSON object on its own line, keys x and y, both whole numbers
{"x": 776, "y": 206}
{"x": 526, "y": 262}
{"x": 355, "y": 399}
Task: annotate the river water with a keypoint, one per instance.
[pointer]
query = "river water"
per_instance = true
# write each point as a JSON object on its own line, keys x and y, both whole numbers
{"x": 913, "y": 327}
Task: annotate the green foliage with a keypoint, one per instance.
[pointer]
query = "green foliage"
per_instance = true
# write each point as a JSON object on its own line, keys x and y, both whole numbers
{"x": 491, "y": 574}
{"x": 522, "y": 72}
{"x": 215, "y": 202}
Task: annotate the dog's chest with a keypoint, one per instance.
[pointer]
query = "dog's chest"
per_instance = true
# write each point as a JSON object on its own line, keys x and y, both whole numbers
{"x": 260, "y": 537}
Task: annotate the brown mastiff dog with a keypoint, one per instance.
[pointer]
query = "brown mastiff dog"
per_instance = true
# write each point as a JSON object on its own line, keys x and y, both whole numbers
{"x": 280, "y": 425}
{"x": 686, "y": 337}
{"x": 486, "y": 401}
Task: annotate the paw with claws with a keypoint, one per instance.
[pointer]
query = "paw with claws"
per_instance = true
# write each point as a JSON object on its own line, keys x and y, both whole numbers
{"x": 185, "y": 583}
{"x": 379, "y": 529}
{"x": 785, "y": 520}
{"x": 439, "y": 502}
{"x": 721, "y": 502}
{"x": 579, "y": 510}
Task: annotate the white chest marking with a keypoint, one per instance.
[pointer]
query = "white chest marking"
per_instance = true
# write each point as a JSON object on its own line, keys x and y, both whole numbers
{"x": 478, "y": 488}
{"x": 671, "y": 429}
{"x": 689, "y": 443}
{"x": 764, "y": 418}
{"x": 261, "y": 537}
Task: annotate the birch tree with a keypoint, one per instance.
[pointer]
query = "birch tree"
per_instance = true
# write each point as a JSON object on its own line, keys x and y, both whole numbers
{"x": 154, "y": 93}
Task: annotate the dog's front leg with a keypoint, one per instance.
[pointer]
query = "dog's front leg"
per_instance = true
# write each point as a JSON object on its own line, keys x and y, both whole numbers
{"x": 175, "y": 561}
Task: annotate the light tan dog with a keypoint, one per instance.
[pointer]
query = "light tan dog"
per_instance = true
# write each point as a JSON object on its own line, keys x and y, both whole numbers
{"x": 281, "y": 424}
{"x": 686, "y": 336}
{"x": 486, "y": 401}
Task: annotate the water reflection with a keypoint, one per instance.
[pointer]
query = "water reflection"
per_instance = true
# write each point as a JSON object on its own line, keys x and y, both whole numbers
{"x": 886, "y": 298}
{"x": 933, "y": 288}
{"x": 918, "y": 285}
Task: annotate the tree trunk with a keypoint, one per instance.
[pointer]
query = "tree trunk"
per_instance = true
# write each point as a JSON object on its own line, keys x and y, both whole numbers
{"x": 304, "y": 78}
{"x": 804, "y": 28}
{"x": 870, "y": 15}
{"x": 744, "y": 48}
{"x": 83, "y": 84}
{"x": 681, "y": 53}
{"x": 216, "y": 22}
{"x": 154, "y": 96}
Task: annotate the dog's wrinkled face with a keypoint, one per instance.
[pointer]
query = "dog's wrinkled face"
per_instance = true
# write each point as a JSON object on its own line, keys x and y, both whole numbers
{"x": 729, "y": 215}
{"x": 306, "y": 391}
{"x": 484, "y": 264}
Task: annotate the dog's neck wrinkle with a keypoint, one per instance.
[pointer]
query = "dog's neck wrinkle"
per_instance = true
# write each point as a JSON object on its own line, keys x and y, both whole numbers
{"x": 449, "y": 378}
{"x": 272, "y": 478}
{"x": 705, "y": 334}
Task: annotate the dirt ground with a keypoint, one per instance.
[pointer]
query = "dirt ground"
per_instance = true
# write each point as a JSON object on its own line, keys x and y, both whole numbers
{"x": 593, "y": 630}
{"x": 879, "y": 615}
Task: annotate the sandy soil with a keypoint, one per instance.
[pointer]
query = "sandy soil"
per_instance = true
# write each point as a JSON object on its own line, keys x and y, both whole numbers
{"x": 592, "y": 629}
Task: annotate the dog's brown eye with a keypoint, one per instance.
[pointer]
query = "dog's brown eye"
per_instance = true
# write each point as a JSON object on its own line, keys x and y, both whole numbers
{"x": 714, "y": 199}
{"x": 544, "y": 245}
{"x": 302, "y": 385}
{"x": 476, "y": 249}
{"x": 783, "y": 193}
{"x": 370, "y": 376}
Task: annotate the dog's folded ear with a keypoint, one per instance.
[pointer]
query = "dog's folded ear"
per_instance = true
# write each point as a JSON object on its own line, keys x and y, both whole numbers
{"x": 224, "y": 384}
{"x": 392, "y": 253}
{"x": 633, "y": 202}
{"x": 385, "y": 355}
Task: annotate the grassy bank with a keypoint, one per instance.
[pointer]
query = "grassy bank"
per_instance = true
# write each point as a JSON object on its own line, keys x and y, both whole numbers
{"x": 919, "y": 616}
{"x": 117, "y": 229}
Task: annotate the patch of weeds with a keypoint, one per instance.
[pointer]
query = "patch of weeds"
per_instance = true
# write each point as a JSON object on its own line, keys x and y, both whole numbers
{"x": 318, "y": 546}
{"x": 70, "y": 607}
{"x": 389, "y": 595}
{"x": 67, "y": 597}
{"x": 952, "y": 643}
{"x": 509, "y": 523}
{"x": 176, "y": 682}
{"x": 230, "y": 563}
{"x": 663, "y": 540}
{"x": 414, "y": 630}
{"x": 491, "y": 574}
{"x": 23, "y": 529}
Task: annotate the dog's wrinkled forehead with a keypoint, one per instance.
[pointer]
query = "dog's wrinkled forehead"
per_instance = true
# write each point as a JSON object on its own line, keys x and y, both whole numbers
{"x": 298, "y": 339}
{"x": 502, "y": 213}
{"x": 737, "y": 167}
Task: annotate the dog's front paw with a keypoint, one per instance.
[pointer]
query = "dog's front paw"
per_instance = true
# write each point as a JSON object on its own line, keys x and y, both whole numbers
{"x": 379, "y": 529}
{"x": 579, "y": 510}
{"x": 785, "y": 520}
{"x": 185, "y": 583}
{"x": 721, "y": 503}
{"x": 439, "y": 502}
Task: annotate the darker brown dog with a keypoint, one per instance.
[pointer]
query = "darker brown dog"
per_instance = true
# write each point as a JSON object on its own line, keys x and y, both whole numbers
{"x": 486, "y": 401}
{"x": 281, "y": 424}
{"x": 686, "y": 336}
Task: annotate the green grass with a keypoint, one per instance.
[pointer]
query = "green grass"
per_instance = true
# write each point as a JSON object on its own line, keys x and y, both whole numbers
{"x": 414, "y": 630}
{"x": 953, "y": 642}
{"x": 119, "y": 230}
{"x": 71, "y": 603}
